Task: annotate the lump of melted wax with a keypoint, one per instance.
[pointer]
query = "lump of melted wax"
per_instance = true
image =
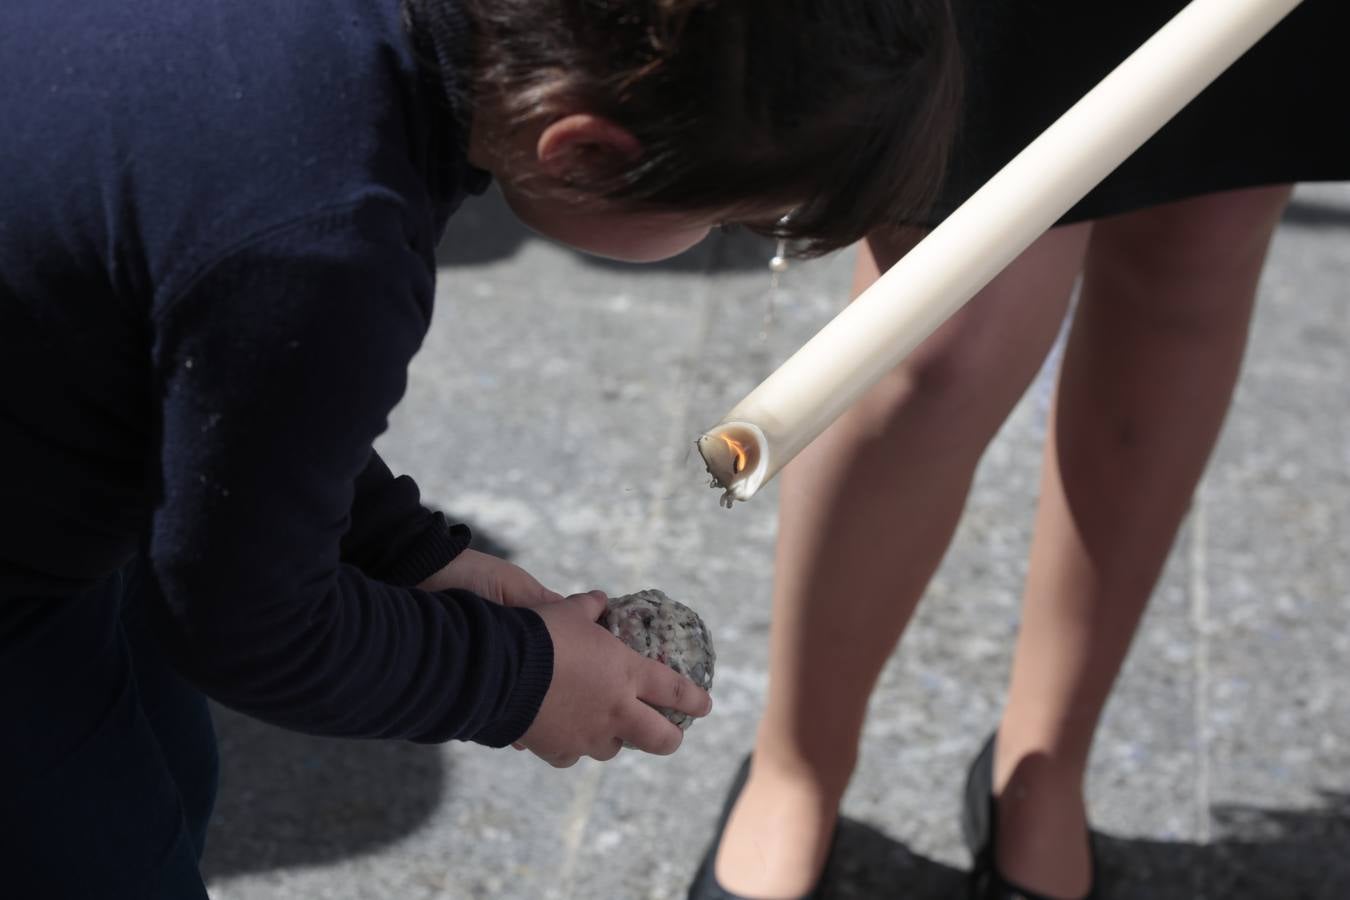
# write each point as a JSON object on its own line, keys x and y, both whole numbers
{"x": 667, "y": 631}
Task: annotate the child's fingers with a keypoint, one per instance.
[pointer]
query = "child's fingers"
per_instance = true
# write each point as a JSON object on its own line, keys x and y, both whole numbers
{"x": 609, "y": 751}
{"x": 661, "y": 685}
{"x": 531, "y": 592}
{"x": 592, "y": 603}
{"x": 560, "y": 760}
{"x": 648, "y": 730}
{"x": 534, "y": 598}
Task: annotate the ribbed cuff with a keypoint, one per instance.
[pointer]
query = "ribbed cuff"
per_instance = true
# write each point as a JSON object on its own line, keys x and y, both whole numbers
{"x": 432, "y": 551}
{"x": 530, "y": 686}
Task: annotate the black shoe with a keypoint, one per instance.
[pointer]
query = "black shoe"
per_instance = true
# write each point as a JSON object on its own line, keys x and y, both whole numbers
{"x": 979, "y": 821}
{"x": 705, "y": 886}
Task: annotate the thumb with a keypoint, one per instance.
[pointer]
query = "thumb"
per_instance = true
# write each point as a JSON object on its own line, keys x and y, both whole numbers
{"x": 531, "y": 593}
{"x": 592, "y": 603}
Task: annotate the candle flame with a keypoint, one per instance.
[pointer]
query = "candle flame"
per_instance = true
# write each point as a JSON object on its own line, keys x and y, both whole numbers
{"x": 737, "y": 449}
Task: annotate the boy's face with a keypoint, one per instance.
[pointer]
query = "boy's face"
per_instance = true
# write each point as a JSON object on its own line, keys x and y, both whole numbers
{"x": 611, "y": 232}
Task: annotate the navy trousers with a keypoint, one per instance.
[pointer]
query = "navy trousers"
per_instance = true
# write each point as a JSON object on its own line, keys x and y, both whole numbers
{"x": 108, "y": 759}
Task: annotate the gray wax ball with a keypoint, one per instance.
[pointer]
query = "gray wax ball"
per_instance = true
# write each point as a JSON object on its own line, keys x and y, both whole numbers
{"x": 667, "y": 631}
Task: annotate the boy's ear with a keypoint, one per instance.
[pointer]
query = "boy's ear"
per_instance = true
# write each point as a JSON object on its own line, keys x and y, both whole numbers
{"x": 581, "y": 147}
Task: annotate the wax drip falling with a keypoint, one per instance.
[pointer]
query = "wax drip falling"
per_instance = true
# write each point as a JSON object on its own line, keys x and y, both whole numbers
{"x": 778, "y": 264}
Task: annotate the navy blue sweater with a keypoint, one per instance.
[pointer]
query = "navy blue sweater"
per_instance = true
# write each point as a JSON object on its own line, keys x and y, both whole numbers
{"x": 217, "y": 233}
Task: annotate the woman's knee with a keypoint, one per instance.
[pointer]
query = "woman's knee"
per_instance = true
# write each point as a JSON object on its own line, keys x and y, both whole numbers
{"x": 965, "y": 378}
{"x": 952, "y": 392}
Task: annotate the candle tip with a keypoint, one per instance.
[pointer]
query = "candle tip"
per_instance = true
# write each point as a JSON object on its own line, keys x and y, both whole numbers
{"x": 733, "y": 453}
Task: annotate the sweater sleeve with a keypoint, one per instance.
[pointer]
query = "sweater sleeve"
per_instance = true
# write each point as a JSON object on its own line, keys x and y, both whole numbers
{"x": 392, "y": 536}
{"x": 276, "y": 368}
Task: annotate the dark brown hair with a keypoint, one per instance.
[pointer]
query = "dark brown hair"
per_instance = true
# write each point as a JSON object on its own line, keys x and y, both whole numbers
{"x": 841, "y": 110}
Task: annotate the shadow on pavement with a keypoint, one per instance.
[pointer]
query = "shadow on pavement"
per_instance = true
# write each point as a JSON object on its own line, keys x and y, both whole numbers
{"x": 868, "y": 865}
{"x": 1256, "y": 854}
{"x": 289, "y": 800}
{"x": 483, "y": 230}
{"x": 1312, "y": 214}
{"x": 1269, "y": 853}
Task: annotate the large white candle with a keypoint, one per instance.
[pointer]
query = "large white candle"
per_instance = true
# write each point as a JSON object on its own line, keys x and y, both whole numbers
{"x": 874, "y": 333}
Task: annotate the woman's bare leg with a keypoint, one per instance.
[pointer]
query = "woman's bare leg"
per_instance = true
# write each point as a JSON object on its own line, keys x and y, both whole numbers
{"x": 866, "y": 514}
{"x": 1147, "y": 377}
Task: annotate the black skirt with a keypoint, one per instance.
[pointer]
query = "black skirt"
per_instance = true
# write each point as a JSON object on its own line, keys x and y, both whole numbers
{"x": 1280, "y": 114}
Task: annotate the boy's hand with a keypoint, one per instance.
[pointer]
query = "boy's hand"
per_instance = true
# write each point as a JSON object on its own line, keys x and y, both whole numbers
{"x": 491, "y": 578}
{"x": 596, "y": 700}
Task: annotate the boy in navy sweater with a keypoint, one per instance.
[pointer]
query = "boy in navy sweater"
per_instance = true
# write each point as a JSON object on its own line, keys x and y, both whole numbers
{"x": 217, "y": 237}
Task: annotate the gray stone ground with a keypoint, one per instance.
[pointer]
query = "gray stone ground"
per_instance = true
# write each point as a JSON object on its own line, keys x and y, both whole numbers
{"x": 554, "y": 406}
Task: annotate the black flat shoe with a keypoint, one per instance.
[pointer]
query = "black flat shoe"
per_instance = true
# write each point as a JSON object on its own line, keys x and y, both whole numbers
{"x": 979, "y": 821}
{"x": 705, "y": 886}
